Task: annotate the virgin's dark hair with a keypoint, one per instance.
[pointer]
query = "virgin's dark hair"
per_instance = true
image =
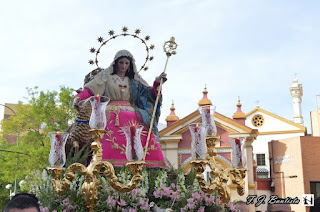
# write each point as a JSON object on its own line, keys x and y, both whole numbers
{"x": 130, "y": 72}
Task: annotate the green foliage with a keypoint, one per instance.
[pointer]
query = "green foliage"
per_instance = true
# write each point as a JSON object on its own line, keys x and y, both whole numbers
{"x": 4, "y": 194}
{"x": 190, "y": 178}
{"x": 80, "y": 157}
{"x": 43, "y": 112}
{"x": 153, "y": 174}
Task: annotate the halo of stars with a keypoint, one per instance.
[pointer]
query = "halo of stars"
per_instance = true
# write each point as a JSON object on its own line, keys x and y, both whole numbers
{"x": 124, "y": 32}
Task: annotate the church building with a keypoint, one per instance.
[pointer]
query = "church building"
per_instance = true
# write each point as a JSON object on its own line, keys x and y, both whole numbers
{"x": 175, "y": 142}
{"x": 258, "y": 127}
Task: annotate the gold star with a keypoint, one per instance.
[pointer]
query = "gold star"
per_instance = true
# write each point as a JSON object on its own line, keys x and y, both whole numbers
{"x": 92, "y": 50}
{"x": 111, "y": 32}
{"x": 124, "y": 29}
{"x": 100, "y": 39}
{"x": 137, "y": 31}
{"x": 152, "y": 47}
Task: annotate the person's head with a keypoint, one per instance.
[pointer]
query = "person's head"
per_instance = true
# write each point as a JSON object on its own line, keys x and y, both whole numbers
{"x": 278, "y": 208}
{"x": 242, "y": 206}
{"x": 23, "y": 202}
{"x": 124, "y": 62}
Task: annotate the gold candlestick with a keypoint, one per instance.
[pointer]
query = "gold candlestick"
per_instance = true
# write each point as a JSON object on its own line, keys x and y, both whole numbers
{"x": 91, "y": 184}
{"x": 221, "y": 175}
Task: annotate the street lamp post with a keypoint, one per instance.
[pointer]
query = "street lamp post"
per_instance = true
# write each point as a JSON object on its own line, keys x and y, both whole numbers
{"x": 15, "y": 178}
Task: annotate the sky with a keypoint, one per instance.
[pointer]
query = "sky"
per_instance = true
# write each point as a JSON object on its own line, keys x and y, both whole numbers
{"x": 251, "y": 49}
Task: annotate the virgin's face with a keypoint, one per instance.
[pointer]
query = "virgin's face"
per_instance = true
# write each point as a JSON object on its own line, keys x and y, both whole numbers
{"x": 122, "y": 66}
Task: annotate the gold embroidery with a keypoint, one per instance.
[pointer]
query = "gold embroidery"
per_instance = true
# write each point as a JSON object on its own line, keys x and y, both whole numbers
{"x": 124, "y": 161}
{"x": 116, "y": 110}
{"x": 115, "y": 145}
{"x": 108, "y": 114}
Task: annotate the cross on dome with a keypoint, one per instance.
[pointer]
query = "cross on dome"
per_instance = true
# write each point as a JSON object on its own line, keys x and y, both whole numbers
{"x": 172, "y": 117}
{"x": 204, "y": 100}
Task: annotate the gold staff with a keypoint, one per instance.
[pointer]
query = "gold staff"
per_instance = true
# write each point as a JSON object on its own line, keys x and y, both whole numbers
{"x": 169, "y": 47}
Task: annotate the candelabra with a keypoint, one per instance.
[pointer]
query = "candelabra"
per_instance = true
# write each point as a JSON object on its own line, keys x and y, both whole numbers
{"x": 134, "y": 150}
{"x": 203, "y": 154}
{"x": 96, "y": 166}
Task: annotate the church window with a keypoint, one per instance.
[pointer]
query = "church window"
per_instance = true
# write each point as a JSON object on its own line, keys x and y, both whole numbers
{"x": 257, "y": 120}
{"x": 261, "y": 159}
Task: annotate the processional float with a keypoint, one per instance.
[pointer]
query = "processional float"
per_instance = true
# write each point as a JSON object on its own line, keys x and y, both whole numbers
{"x": 202, "y": 146}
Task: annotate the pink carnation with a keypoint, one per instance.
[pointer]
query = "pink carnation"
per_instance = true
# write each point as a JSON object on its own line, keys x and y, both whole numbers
{"x": 204, "y": 195}
{"x": 173, "y": 186}
{"x": 175, "y": 196}
{"x": 231, "y": 206}
{"x": 197, "y": 197}
{"x": 218, "y": 201}
{"x": 140, "y": 202}
{"x": 111, "y": 201}
{"x": 44, "y": 209}
{"x": 166, "y": 191}
{"x": 190, "y": 200}
{"x": 190, "y": 206}
{"x": 135, "y": 193}
{"x": 201, "y": 209}
{"x": 122, "y": 202}
{"x": 157, "y": 193}
{"x": 209, "y": 200}
{"x": 143, "y": 204}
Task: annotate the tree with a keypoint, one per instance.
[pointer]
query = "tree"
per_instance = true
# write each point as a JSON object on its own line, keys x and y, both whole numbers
{"x": 44, "y": 112}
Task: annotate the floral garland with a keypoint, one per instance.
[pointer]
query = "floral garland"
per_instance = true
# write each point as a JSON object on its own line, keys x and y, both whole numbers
{"x": 176, "y": 197}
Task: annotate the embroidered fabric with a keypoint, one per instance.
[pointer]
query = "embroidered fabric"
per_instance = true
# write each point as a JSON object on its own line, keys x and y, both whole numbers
{"x": 123, "y": 105}
{"x": 103, "y": 75}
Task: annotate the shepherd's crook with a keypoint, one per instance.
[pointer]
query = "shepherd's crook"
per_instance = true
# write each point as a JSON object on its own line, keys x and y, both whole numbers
{"x": 169, "y": 47}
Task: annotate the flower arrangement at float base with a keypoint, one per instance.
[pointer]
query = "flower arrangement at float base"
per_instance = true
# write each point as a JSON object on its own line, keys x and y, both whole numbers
{"x": 157, "y": 190}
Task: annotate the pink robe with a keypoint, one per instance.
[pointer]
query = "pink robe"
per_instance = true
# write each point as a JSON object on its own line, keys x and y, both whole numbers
{"x": 114, "y": 142}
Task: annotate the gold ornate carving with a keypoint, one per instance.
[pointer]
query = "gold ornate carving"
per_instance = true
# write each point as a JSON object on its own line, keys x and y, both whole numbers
{"x": 96, "y": 166}
{"x": 221, "y": 175}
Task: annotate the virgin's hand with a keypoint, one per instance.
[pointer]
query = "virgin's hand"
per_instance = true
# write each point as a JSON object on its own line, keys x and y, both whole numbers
{"x": 162, "y": 76}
